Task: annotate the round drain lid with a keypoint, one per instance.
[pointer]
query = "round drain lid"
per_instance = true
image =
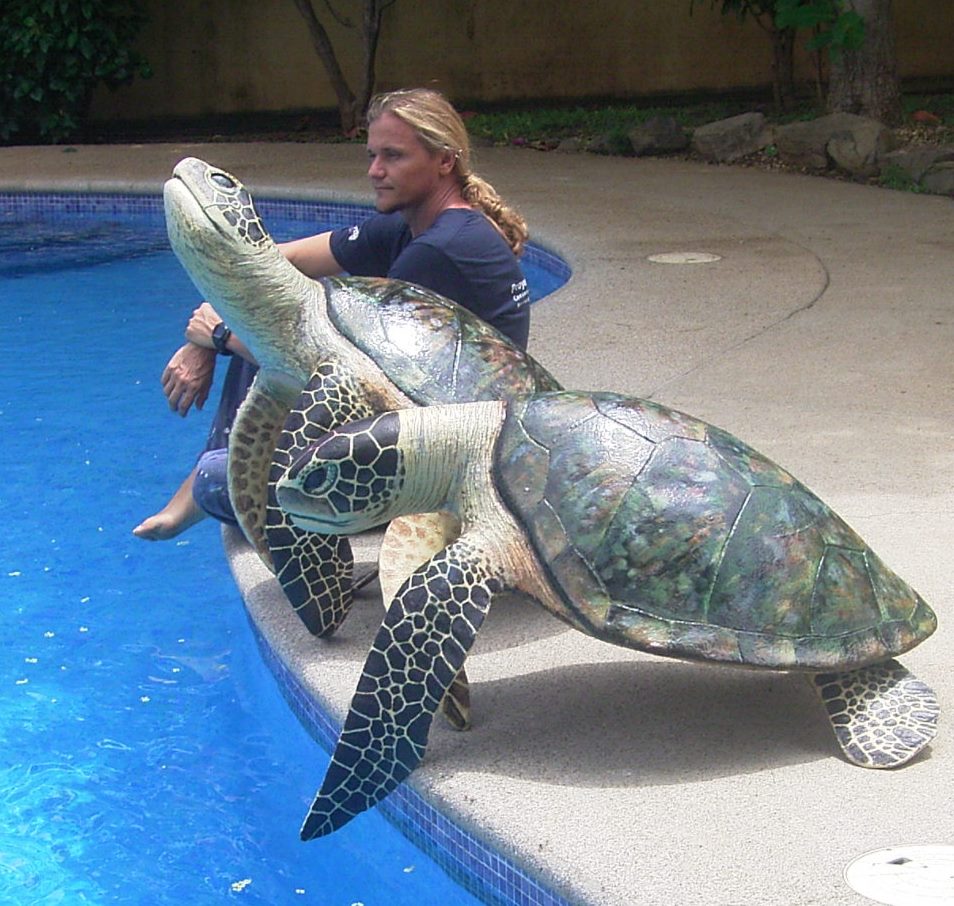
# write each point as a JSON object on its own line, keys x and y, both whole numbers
{"x": 905, "y": 875}
{"x": 685, "y": 258}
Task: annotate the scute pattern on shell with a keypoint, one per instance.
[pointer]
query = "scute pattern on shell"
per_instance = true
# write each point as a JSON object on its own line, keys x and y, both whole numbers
{"x": 434, "y": 351}
{"x": 669, "y": 535}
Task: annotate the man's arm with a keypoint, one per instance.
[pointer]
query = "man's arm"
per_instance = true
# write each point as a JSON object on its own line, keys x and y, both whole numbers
{"x": 312, "y": 255}
{"x": 199, "y": 331}
{"x": 187, "y": 377}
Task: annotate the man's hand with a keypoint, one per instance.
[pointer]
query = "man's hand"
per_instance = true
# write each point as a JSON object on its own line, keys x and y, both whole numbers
{"x": 200, "y": 326}
{"x": 187, "y": 378}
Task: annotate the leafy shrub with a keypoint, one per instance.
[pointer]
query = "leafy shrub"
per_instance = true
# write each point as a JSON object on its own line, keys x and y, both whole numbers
{"x": 53, "y": 54}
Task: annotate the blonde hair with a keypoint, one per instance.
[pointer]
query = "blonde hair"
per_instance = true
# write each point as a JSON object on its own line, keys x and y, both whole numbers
{"x": 440, "y": 128}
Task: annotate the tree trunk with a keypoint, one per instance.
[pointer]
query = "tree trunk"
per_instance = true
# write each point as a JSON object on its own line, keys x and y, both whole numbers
{"x": 373, "y": 14}
{"x": 347, "y": 104}
{"x": 783, "y": 67}
{"x": 865, "y": 81}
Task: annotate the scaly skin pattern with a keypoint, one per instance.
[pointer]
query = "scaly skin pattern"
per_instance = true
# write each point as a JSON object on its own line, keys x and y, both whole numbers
{"x": 632, "y": 522}
{"x": 314, "y": 570}
{"x": 329, "y": 351}
{"x": 413, "y": 661}
{"x": 882, "y": 715}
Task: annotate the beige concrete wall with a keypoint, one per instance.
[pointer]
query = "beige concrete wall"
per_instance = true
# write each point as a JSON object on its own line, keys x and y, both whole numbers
{"x": 231, "y": 56}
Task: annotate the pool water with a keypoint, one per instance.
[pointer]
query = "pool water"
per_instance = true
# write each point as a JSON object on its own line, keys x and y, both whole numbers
{"x": 147, "y": 756}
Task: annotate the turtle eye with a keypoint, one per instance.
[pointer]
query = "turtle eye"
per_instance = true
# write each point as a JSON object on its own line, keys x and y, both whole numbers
{"x": 222, "y": 181}
{"x": 320, "y": 479}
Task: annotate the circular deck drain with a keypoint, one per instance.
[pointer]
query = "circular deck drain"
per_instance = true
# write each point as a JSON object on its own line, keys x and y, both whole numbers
{"x": 905, "y": 875}
{"x": 685, "y": 258}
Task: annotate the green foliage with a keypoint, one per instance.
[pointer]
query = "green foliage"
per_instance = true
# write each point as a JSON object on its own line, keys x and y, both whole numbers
{"x": 895, "y": 177}
{"x": 612, "y": 122}
{"x": 53, "y": 54}
{"x": 836, "y": 27}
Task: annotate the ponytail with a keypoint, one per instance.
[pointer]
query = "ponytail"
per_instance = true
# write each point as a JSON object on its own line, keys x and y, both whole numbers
{"x": 479, "y": 193}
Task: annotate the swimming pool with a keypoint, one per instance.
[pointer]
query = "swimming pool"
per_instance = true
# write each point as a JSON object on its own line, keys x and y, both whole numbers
{"x": 149, "y": 756}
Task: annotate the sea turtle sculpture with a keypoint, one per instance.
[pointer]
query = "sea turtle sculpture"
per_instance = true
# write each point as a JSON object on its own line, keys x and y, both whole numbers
{"x": 633, "y": 523}
{"x": 330, "y": 351}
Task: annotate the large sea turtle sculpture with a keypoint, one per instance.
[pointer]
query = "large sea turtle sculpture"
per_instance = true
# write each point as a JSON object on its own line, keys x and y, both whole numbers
{"x": 631, "y": 522}
{"x": 330, "y": 351}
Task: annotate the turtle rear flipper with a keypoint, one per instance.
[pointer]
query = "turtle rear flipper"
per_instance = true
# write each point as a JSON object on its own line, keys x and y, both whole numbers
{"x": 421, "y": 645}
{"x": 255, "y": 432}
{"x": 882, "y": 715}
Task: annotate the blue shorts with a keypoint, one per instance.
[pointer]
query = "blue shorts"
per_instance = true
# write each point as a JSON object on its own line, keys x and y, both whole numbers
{"x": 211, "y": 489}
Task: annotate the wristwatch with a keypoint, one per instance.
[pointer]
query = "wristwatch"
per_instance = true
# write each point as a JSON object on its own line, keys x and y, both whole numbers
{"x": 220, "y": 337}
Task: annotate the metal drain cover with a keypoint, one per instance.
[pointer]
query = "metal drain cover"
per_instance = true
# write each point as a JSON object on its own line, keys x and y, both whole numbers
{"x": 684, "y": 258}
{"x": 905, "y": 875}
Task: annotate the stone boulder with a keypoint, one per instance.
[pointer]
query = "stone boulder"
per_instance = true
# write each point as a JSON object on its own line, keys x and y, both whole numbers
{"x": 915, "y": 162}
{"x": 729, "y": 139}
{"x": 939, "y": 179}
{"x": 658, "y": 135}
{"x": 569, "y": 146}
{"x": 852, "y": 143}
{"x": 857, "y": 150}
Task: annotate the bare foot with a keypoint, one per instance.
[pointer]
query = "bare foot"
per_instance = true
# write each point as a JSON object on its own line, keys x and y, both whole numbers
{"x": 180, "y": 513}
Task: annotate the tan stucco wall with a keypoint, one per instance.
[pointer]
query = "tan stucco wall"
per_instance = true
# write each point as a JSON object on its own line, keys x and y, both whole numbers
{"x": 230, "y": 56}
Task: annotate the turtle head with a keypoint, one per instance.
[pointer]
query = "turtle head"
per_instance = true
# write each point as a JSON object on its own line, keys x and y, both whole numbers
{"x": 347, "y": 482}
{"x": 207, "y": 205}
{"x": 219, "y": 238}
{"x": 214, "y": 228}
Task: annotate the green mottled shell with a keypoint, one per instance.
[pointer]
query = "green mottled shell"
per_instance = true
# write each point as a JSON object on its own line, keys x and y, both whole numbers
{"x": 665, "y": 534}
{"x": 432, "y": 350}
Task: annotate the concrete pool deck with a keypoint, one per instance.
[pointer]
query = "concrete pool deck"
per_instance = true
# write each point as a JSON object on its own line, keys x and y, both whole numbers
{"x": 823, "y": 337}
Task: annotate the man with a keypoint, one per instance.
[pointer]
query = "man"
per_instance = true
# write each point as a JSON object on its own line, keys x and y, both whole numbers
{"x": 438, "y": 225}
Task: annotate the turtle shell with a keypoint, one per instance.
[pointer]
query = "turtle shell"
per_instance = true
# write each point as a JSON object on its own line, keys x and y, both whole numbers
{"x": 433, "y": 350}
{"x": 666, "y": 534}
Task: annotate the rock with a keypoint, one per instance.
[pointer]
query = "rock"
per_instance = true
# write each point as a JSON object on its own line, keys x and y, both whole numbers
{"x": 658, "y": 135}
{"x": 614, "y": 142}
{"x": 939, "y": 179}
{"x": 569, "y": 146}
{"x": 915, "y": 162}
{"x": 809, "y": 144}
{"x": 732, "y": 138}
{"x": 857, "y": 149}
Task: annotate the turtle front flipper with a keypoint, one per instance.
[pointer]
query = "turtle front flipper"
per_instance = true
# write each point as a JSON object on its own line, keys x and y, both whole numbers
{"x": 257, "y": 427}
{"x": 421, "y": 645}
{"x": 882, "y": 715}
{"x": 314, "y": 571}
{"x": 408, "y": 542}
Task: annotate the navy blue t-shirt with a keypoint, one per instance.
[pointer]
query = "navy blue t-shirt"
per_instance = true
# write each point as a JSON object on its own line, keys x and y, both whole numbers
{"x": 461, "y": 256}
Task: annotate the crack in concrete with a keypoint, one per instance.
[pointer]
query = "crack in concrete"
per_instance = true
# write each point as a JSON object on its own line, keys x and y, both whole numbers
{"x": 826, "y": 282}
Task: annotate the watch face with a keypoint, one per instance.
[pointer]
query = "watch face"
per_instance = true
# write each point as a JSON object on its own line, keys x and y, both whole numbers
{"x": 220, "y": 336}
